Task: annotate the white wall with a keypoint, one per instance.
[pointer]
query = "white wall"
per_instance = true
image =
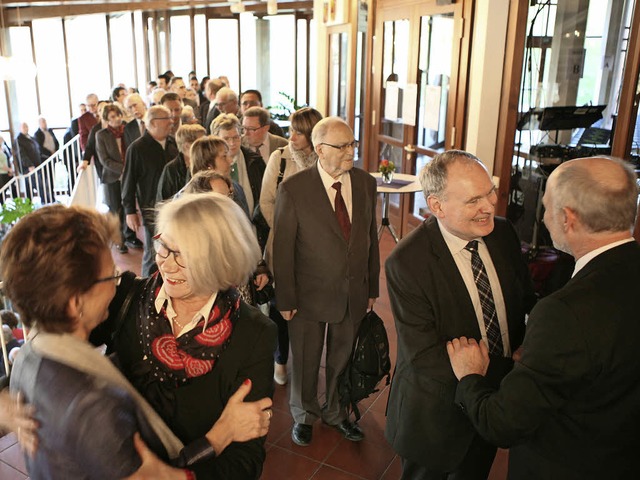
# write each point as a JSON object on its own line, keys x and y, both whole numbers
{"x": 485, "y": 80}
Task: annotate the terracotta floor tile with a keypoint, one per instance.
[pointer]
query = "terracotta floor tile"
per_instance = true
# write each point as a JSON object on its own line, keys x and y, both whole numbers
{"x": 14, "y": 457}
{"x": 372, "y": 459}
{"x": 380, "y": 405}
{"x": 7, "y": 441}
{"x": 283, "y": 464}
{"x": 281, "y": 424}
{"x": 330, "y": 473}
{"x": 9, "y": 473}
{"x": 500, "y": 465}
{"x": 394, "y": 471}
{"x": 372, "y": 424}
{"x": 325, "y": 440}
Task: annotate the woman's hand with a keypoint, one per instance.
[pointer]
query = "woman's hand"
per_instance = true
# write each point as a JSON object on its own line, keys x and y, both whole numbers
{"x": 240, "y": 421}
{"x": 152, "y": 467}
{"x": 17, "y": 416}
{"x": 261, "y": 281}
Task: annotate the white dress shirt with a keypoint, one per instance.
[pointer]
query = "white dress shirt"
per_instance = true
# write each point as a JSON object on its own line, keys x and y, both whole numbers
{"x": 345, "y": 190}
{"x": 204, "y": 312}
{"x": 462, "y": 258}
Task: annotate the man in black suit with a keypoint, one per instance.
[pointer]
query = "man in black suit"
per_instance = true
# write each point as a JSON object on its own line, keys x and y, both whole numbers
{"x": 145, "y": 159}
{"x": 434, "y": 298}
{"x": 327, "y": 264}
{"x": 570, "y": 407}
{"x": 46, "y": 139}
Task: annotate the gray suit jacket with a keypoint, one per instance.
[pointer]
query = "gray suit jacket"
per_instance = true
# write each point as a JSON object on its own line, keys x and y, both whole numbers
{"x": 276, "y": 142}
{"x": 109, "y": 156}
{"x": 316, "y": 271}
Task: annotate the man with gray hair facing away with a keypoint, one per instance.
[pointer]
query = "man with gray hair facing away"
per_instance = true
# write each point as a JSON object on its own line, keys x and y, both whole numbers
{"x": 459, "y": 273}
{"x": 569, "y": 408}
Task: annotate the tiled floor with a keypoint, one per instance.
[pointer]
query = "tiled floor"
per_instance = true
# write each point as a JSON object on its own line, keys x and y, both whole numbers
{"x": 329, "y": 457}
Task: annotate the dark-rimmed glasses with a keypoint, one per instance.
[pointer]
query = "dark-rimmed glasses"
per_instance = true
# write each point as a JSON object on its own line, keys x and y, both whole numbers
{"x": 343, "y": 148}
{"x": 163, "y": 251}
{"x": 117, "y": 277}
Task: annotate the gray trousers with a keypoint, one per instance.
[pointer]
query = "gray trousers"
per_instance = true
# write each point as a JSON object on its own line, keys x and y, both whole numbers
{"x": 307, "y": 342}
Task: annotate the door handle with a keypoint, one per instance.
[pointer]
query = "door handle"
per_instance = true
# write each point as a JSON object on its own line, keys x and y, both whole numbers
{"x": 409, "y": 148}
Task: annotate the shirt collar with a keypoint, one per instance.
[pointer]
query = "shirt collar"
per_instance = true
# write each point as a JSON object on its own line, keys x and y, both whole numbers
{"x": 455, "y": 244}
{"x": 163, "y": 299}
{"x": 582, "y": 261}
{"x": 327, "y": 179}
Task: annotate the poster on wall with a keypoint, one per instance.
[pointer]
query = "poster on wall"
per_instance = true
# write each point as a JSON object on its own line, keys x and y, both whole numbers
{"x": 335, "y": 12}
{"x": 432, "y": 107}
{"x": 391, "y": 101}
{"x": 409, "y": 103}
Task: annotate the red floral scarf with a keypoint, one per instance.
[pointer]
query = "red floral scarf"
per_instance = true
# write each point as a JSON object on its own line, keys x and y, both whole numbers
{"x": 193, "y": 354}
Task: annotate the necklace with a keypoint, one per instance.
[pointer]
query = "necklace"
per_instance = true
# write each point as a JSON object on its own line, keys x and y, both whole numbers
{"x": 176, "y": 321}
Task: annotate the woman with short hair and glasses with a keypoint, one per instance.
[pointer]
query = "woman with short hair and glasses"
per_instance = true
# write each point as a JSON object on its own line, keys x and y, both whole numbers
{"x": 187, "y": 341}
{"x": 195, "y": 385}
{"x": 247, "y": 167}
{"x": 59, "y": 274}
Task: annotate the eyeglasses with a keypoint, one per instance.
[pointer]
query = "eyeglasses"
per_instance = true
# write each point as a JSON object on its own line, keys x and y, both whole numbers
{"x": 343, "y": 148}
{"x": 117, "y": 277}
{"x": 162, "y": 118}
{"x": 231, "y": 139}
{"x": 244, "y": 130}
{"x": 163, "y": 251}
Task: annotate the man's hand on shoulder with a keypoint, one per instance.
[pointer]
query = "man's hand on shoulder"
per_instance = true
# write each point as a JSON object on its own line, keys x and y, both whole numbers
{"x": 468, "y": 357}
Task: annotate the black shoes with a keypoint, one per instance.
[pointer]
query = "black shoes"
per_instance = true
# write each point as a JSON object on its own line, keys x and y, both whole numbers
{"x": 301, "y": 434}
{"x": 135, "y": 243}
{"x": 350, "y": 431}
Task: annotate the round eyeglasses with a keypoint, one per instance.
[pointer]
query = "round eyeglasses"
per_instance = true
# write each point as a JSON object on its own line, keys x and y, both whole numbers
{"x": 163, "y": 251}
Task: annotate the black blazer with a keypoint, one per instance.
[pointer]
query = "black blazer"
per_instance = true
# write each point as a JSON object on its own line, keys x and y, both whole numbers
{"x": 39, "y": 136}
{"x": 131, "y": 132}
{"x": 571, "y": 407}
{"x": 430, "y": 306}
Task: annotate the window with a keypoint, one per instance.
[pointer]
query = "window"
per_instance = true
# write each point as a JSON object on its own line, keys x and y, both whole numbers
{"x": 223, "y": 50}
{"x": 181, "y": 46}
{"x": 122, "y": 53}
{"x": 52, "y": 77}
{"x": 24, "y": 78}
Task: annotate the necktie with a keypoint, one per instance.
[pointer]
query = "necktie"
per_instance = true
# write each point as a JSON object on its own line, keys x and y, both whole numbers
{"x": 258, "y": 149}
{"x": 486, "y": 300}
{"x": 141, "y": 128}
{"x": 341, "y": 212}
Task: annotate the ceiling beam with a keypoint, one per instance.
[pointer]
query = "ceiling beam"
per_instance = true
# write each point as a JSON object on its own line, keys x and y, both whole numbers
{"x": 15, "y": 16}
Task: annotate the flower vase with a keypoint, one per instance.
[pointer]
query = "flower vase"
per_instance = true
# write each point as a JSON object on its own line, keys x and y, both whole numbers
{"x": 387, "y": 177}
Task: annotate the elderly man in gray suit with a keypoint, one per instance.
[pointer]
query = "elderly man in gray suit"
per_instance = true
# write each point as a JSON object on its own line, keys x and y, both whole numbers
{"x": 327, "y": 265}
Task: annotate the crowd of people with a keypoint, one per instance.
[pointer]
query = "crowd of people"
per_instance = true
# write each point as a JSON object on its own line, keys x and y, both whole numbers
{"x": 237, "y": 220}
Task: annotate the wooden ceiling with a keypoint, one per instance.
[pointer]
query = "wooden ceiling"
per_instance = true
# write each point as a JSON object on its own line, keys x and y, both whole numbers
{"x": 19, "y": 11}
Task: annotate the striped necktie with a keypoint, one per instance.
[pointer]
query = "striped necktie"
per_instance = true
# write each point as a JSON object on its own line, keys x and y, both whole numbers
{"x": 489, "y": 314}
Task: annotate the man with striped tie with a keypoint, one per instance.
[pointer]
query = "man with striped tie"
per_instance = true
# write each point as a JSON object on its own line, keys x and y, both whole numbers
{"x": 460, "y": 271}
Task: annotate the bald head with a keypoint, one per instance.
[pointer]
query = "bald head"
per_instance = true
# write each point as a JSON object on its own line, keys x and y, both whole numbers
{"x": 601, "y": 191}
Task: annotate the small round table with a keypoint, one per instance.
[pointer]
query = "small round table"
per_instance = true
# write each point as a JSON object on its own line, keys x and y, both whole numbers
{"x": 402, "y": 183}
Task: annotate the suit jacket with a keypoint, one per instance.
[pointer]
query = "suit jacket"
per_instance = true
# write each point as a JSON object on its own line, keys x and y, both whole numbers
{"x": 86, "y": 121}
{"x": 39, "y": 136}
{"x": 90, "y": 151}
{"x": 276, "y": 129}
{"x": 131, "y": 132}
{"x": 145, "y": 160}
{"x": 431, "y": 305}
{"x": 173, "y": 178}
{"x": 207, "y": 116}
{"x": 28, "y": 152}
{"x": 316, "y": 271}
{"x": 275, "y": 142}
{"x": 109, "y": 156}
{"x": 190, "y": 410}
{"x": 571, "y": 406}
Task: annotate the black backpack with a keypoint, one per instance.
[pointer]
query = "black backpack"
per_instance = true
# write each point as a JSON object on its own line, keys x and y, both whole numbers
{"x": 368, "y": 364}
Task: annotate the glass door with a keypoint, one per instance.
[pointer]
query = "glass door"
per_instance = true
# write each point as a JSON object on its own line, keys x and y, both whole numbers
{"x": 416, "y": 63}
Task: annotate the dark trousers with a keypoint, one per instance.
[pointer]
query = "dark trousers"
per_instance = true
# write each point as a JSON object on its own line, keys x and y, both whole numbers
{"x": 113, "y": 199}
{"x": 281, "y": 355}
{"x": 307, "y": 342}
{"x": 476, "y": 465}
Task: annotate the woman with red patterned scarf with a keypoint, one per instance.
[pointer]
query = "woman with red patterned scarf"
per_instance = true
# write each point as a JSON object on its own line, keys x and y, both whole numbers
{"x": 186, "y": 340}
